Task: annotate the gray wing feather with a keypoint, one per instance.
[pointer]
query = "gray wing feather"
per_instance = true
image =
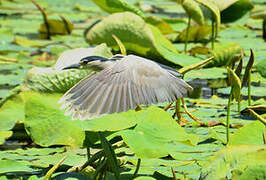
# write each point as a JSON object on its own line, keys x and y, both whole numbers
{"x": 132, "y": 80}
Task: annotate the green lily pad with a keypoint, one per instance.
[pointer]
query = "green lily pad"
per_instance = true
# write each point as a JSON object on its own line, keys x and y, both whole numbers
{"x": 114, "y": 6}
{"x": 255, "y": 131}
{"x": 211, "y": 11}
{"x": 224, "y": 54}
{"x": 13, "y": 166}
{"x": 236, "y": 10}
{"x": 195, "y": 34}
{"x": 253, "y": 171}
{"x": 11, "y": 112}
{"x": 137, "y": 36}
{"x": 61, "y": 27}
{"x": 221, "y": 165}
{"x": 261, "y": 67}
{"x": 25, "y": 42}
{"x": 193, "y": 10}
{"x": 154, "y": 130}
{"x": 4, "y": 135}
{"x": 209, "y": 73}
{"x": 144, "y": 178}
{"x": 255, "y": 91}
{"x": 6, "y": 35}
{"x": 46, "y": 123}
{"x": 110, "y": 122}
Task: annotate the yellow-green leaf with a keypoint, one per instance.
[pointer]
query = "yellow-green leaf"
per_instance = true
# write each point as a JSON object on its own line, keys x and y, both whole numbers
{"x": 193, "y": 10}
{"x": 235, "y": 84}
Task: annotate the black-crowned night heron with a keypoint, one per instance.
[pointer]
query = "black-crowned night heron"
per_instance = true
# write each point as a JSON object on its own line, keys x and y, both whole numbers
{"x": 122, "y": 83}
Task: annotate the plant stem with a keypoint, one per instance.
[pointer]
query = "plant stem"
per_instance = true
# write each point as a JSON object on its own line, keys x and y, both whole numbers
{"x": 228, "y": 116}
{"x": 239, "y": 106}
{"x": 45, "y": 18}
{"x": 177, "y": 110}
{"x": 137, "y": 167}
{"x": 249, "y": 87}
{"x": 187, "y": 32}
{"x": 213, "y": 35}
{"x": 260, "y": 118}
{"x": 88, "y": 153}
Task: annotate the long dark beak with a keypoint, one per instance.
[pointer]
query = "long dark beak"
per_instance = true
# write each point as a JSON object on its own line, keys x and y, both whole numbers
{"x": 72, "y": 66}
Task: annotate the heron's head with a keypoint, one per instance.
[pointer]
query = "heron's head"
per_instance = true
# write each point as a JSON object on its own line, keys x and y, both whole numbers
{"x": 95, "y": 63}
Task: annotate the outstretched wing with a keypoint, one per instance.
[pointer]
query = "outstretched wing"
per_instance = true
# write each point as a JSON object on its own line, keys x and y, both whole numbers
{"x": 132, "y": 80}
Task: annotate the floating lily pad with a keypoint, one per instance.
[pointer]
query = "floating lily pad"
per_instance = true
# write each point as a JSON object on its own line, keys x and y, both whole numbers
{"x": 115, "y": 6}
{"x": 255, "y": 131}
{"x": 209, "y": 73}
{"x": 44, "y": 121}
{"x": 261, "y": 67}
{"x": 150, "y": 137}
{"x": 255, "y": 91}
{"x": 232, "y": 158}
{"x": 236, "y": 10}
{"x": 4, "y": 135}
{"x": 11, "y": 112}
{"x": 13, "y": 166}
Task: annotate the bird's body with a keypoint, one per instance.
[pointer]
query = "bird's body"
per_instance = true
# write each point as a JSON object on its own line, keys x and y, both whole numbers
{"x": 124, "y": 83}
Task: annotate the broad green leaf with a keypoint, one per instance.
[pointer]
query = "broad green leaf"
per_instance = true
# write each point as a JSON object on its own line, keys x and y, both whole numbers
{"x": 223, "y": 4}
{"x": 41, "y": 157}
{"x": 6, "y": 35}
{"x": 114, "y": 6}
{"x": 161, "y": 24}
{"x": 256, "y": 91}
{"x": 56, "y": 27}
{"x": 118, "y": 121}
{"x": 46, "y": 123}
{"x": 50, "y": 80}
{"x": 207, "y": 73}
{"x": 155, "y": 129}
{"x": 232, "y": 158}
{"x": 195, "y": 34}
{"x": 236, "y": 10}
{"x": 144, "y": 178}
{"x": 193, "y": 10}
{"x": 23, "y": 41}
{"x": 235, "y": 83}
{"x": 224, "y": 54}
{"x": 213, "y": 10}
{"x": 261, "y": 67}
{"x": 72, "y": 176}
{"x": 4, "y": 135}
{"x": 250, "y": 134}
{"x": 11, "y": 112}
{"x": 253, "y": 171}
{"x": 137, "y": 36}
{"x": 13, "y": 166}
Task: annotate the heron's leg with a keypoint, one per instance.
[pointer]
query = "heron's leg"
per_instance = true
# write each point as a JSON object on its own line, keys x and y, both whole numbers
{"x": 180, "y": 120}
{"x": 188, "y": 113}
